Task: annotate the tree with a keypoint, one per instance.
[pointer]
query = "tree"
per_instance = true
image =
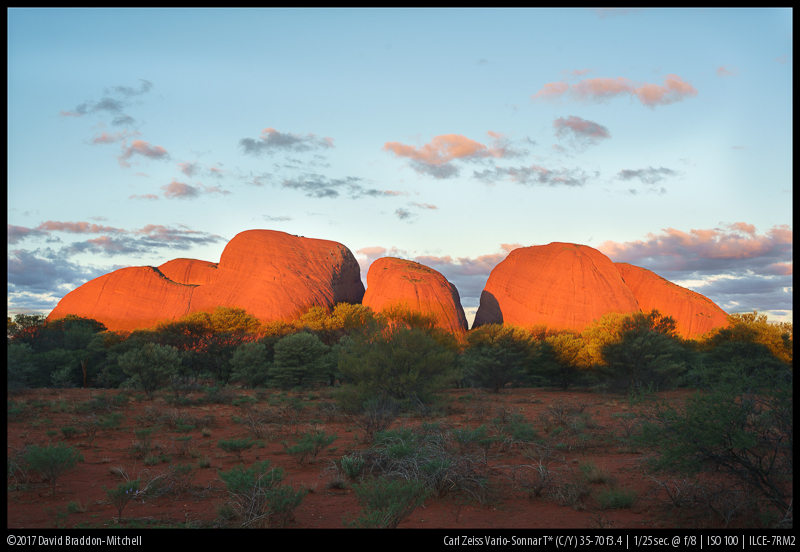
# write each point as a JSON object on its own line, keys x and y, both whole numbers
{"x": 641, "y": 358}
{"x": 497, "y": 355}
{"x": 251, "y": 363}
{"x": 742, "y": 426}
{"x": 567, "y": 356}
{"x": 298, "y": 360}
{"x": 151, "y": 366}
{"x": 399, "y": 362}
{"x": 52, "y": 461}
{"x": 755, "y": 328}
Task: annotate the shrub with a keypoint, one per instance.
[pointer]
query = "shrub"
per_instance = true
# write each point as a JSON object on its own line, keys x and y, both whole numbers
{"x": 386, "y": 503}
{"x": 399, "y": 363}
{"x": 376, "y": 414}
{"x": 352, "y": 465}
{"x": 613, "y": 498}
{"x": 741, "y": 427}
{"x": 122, "y": 494}
{"x": 309, "y": 446}
{"x": 642, "y": 358}
{"x": 236, "y": 446}
{"x": 52, "y": 461}
{"x": 497, "y": 355}
{"x": 150, "y": 367}
{"x": 298, "y": 360}
{"x": 251, "y": 363}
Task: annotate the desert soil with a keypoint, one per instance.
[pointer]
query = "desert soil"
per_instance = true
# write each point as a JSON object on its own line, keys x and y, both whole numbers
{"x": 32, "y": 504}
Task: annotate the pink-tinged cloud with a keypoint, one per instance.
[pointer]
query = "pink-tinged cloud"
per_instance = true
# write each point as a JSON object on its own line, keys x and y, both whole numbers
{"x": 140, "y": 147}
{"x": 727, "y": 71}
{"x": 580, "y": 129}
{"x": 109, "y": 245}
{"x": 70, "y": 114}
{"x": 684, "y": 250}
{"x": 189, "y": 169}
{"x": 180, "y": 190}
{"x": 76, "y": 227}
{"x": 113, "y": 138}
{"x": 443, "y": 149}
{"x": 145, "y": 196}
{"x": 674, "y": 89}
{"x": 424, "y": 205}
{"x": 467, "y": 266}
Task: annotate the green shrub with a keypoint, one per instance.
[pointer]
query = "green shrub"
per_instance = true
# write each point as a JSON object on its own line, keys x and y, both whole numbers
{"x": 236, "y": 446}
{"x": 309, "y": 446}
{"x": 52, "y": 461}
{"x": 386, "y": 503}
{"x": 150, "y": 367}
{"x": 69, "y": 431}
{"x": 613, "y": 498}
{"x": 352, "y": 465}
{"x": 122, "y": 494}
{"x": 256, "y": 495}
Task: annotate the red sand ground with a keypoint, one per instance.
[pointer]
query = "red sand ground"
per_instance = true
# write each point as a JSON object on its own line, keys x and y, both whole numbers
{"x": 31, "y": 503}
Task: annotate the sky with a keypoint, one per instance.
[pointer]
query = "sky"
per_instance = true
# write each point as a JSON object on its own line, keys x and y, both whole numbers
{"x": 660, "y": 137}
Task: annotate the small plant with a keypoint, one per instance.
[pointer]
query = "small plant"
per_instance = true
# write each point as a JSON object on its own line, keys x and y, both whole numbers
{"x": 122, "y": 494}
{"x": 205, "y": 432}
{"x": 387, "y": 503}
{"x": 52, "y": 461}
{"x": 352, "y": 465}
{"x": 145, "y": 443}
{"x": 376, "y": 415}
{"x": 151, "y": 460}
{"x": 204, "y": 462}
{"x": 75, "y": 507}
{"x": 593, "y": 474}
{"x": 236, "y": 446}
{"x": 309, "y": 446}
{"x": 69, "y": 431}
{"x": 183, "y": 444}
{"x": 613, "y": 498}
{"x": 112, "y": 421}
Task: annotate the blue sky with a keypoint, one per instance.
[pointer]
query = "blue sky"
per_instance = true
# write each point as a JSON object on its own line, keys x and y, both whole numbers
{"x": 662, "y": 138}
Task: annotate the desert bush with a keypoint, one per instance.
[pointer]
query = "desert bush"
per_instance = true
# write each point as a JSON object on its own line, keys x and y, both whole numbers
{"x": 251, "y": 364}
{"x": 256, "y": 495}
{"x": 298, "y": 361}
{"x": 352, "y": 465}
{"x": 236, "y": 446}
{"x": 497, "y": 355}
{"x": 741, "y": 427}
{"x": 613, "y": 498}
{"x": 405, "y": 364}
{"x": 386, "y": 503}
{"x": 375, "y": 415}
{"x": 642, "y": 358}
{"x": 52, "y": 461}
{"x": 122, "y": 494}
{"x": 150, "y": 367}
{"x": 308, "y": 446}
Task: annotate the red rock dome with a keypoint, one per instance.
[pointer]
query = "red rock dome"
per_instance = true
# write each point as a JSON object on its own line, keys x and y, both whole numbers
{"x": 272, "y": 275}
{"x": 695, "y": 314}
{"x": 560, "y": 285}
{"x": 392, "y": 282}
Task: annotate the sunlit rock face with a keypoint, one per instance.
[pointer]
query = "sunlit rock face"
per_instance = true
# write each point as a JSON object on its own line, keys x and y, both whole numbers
{"x": 272, "y": 275}
{"x": 561, "y": 285}
{"x": 568, "y": 286}
{"x": 695, "y": 314}
{"x": 392, "y": 282}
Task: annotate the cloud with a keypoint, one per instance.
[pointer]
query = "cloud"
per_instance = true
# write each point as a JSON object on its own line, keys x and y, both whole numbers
{"x": 272, "y": 140}
{"x": 144, "y": 149}
{"x": 144, "y": 88}
{"x": 189, "y": 169}
{"x": 727, "y": 71}
{"x": 145, "y": 196}
{"x": 649, "y": 175}
{"x": 733, "y": 265}
{"x": 276, "y": 219}
{"x": 316, "y": 185}
{"x": 181, "y": 190}
{"x": 436, "y": 157}
{"x": 44, "y": 271}
{"x": 580, "y": 132}
{"x": 113, "y": 138}
{"x": 424, "y": 205}
{"x": 18, "y": 233}
{"x": 403, "y": 214}
{"x": 600, "y": 90}
{"x": 110, "y": 104}
{"x": 534, "y": 175}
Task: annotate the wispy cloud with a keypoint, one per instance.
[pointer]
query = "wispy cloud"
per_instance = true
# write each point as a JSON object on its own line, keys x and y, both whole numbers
{"x": 319, "y": 186}
{"x": 534, "y": 175}
{"x": 181, "y": 190}
{"x": 599, "y": 90}
{"x": 110, "y": 104}
{"x": 650, "y": 175}
{"x": 403, "y": 214}
{"x": 727, "y": 71}
{"x": 581, "y": 133}
{"x": 437, "y": 156}
{"x": 272, "y": 141}
{"x": 142, "y": 149}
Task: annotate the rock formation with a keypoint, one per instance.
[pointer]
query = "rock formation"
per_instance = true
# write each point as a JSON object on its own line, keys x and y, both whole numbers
{"x": 392, "y": 282}
{"x": 561, "y": 285}
{"x": 695, "y": 314}
{"x": 568, "y": 286}
{"x": 272, "y": 275}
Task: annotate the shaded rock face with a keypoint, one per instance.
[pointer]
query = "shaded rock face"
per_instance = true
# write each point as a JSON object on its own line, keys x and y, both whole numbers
{"x": 694, "y": 313}
{"x": 272, "y": 275}
{"x": 561, "y": 285}
{"x": 392, "y": 282}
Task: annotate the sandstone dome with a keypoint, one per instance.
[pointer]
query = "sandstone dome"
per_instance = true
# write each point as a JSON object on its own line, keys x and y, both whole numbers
{"x": 270, "y": 274}
{"x": 392, "y": 282}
